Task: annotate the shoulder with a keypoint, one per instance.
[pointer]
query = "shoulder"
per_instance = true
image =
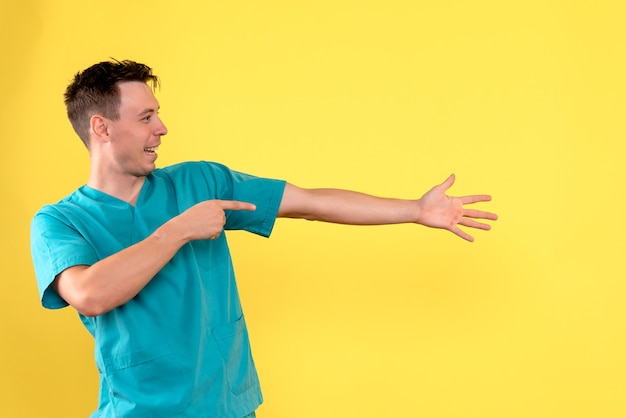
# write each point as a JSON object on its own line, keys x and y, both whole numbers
{"x": 61, "y": 209}
{"x": 190, "y": 168}
{"x": 195, "y": 172}
{"x": 190, "y": 165}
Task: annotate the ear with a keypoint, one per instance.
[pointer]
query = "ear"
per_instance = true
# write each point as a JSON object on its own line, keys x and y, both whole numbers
{"x": 99, "y": 129}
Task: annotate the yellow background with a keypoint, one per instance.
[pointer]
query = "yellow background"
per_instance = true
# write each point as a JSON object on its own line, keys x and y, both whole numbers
{"x": 523, "y": 100}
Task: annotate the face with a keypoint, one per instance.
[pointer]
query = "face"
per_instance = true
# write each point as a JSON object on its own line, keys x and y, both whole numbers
{"x": 135, "y": 137}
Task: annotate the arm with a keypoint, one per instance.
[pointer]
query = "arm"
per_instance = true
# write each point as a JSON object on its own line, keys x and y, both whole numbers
{"x": 113, "y": 281}
{"x": 435, "y": 209}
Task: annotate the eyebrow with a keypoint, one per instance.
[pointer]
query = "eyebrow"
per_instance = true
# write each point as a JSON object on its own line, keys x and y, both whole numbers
{"x": 148, "y": 111}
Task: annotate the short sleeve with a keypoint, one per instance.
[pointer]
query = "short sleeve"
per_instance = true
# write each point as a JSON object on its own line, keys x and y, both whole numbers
{"x": 203, "y": 180}
{"x": 265, "y": 193}
{"x": 55, "y": 246}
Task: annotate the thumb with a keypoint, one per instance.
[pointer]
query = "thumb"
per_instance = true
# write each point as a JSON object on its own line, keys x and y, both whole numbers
{"x": 448, "y": 183}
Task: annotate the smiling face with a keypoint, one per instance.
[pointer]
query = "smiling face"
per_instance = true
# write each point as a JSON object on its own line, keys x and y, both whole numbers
{"x": 134, "y": 138}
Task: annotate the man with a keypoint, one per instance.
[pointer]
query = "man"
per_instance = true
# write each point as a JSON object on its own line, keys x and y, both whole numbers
{"x": 141, "y": 253}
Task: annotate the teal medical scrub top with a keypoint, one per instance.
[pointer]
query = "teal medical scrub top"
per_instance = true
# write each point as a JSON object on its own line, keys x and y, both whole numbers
{"x": 180, "y": 347}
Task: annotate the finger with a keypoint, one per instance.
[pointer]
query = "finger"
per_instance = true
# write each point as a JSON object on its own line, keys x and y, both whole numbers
{"x": 479, "y": 214}
{"x": 459, "y": 232}
{"x": 448, "y": 183}
{"x": 475, "y": 198}
{"x": 235, "y": 205}
{"x": 474, "y": 224}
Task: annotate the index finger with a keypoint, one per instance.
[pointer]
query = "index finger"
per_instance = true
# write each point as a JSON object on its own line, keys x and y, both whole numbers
{"x": 235, "y": 205}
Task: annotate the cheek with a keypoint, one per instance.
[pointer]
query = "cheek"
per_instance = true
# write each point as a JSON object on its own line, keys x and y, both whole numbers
{"x": 128, "y": 137}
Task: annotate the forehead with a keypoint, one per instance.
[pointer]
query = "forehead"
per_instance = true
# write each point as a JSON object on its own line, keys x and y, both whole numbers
{"x": 136, "y": 96}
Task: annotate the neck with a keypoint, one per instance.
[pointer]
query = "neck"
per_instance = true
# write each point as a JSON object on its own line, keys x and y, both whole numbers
{"x": 125, "y": 188}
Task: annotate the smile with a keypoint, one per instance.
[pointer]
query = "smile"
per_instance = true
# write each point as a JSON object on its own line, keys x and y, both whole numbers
{"x": 150, "y": 150}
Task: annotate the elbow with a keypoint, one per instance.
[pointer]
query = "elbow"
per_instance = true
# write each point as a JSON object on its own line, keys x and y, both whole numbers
{"x": 91, "y": 313}
{"x": 73, "y": 285}
{"x": 86, "y": 302}
{"x": 89, "y": 306}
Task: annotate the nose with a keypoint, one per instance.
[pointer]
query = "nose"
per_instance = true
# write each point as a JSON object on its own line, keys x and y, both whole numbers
{"x": 161, "y": 128}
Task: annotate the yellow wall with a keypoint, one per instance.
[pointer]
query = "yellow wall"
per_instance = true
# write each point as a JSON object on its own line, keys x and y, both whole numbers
{"x": 523, "y": 100}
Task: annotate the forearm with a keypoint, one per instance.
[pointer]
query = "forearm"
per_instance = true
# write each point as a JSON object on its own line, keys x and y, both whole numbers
{"x": 345, "y": 207}
{"x": 114, "y": 280}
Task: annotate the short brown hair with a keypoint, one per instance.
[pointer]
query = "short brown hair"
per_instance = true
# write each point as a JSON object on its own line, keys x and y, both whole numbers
{"x": 95, "y": 91}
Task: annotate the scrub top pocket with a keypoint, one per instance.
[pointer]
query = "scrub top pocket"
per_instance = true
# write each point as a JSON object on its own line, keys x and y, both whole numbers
{"x": 134, "y": 379}
{"x": 233, "y": 343}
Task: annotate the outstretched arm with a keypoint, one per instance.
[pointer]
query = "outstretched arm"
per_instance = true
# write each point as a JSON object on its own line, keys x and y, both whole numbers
{"x": 435, "y": 209}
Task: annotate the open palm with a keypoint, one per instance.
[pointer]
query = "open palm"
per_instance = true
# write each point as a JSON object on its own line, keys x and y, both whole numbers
{"x": 438, "y": 210}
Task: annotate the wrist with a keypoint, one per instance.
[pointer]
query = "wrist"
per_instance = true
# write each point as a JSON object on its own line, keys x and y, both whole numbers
{"x": 417, "y": 211}
{"x": 170, "y": 231}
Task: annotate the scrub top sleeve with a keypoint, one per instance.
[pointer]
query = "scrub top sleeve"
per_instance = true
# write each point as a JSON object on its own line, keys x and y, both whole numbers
{"x": 265, "y": 193}
{"x": 204, "y": 180}
{"x": 55, "y": 246}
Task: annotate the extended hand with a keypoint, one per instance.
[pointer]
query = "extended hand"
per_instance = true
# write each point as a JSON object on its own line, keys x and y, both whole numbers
{"x": 437, "y": 210}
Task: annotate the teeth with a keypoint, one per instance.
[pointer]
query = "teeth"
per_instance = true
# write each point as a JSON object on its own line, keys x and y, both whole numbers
{"x": 151, "y": 149}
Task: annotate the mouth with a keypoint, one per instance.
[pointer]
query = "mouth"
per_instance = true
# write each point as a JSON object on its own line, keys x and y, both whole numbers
{"x": 151, "y": 150}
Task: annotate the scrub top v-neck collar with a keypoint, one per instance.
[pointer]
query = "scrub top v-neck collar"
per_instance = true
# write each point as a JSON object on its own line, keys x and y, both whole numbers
{"x": 111, "y": 200}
